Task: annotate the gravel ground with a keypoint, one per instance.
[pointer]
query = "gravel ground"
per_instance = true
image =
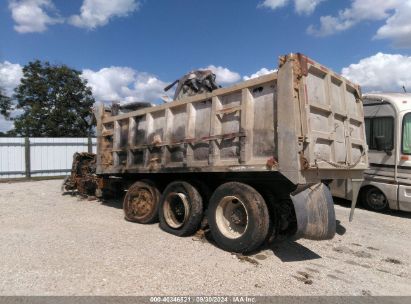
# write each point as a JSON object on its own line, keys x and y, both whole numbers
{"x": 61, "y": 245}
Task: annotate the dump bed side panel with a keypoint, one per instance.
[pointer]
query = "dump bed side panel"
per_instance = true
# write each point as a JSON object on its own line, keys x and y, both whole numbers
{"x": 227, "y": 130}
{"x": 304, "y": 121}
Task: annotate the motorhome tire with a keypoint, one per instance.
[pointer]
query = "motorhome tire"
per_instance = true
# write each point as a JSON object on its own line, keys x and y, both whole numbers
{"x": 373, "y": 199}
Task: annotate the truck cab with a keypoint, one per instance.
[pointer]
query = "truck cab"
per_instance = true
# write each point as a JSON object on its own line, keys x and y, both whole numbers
{"x": 387, "y": 182}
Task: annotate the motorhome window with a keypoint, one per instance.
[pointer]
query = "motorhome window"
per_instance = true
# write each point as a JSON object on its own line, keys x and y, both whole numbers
{"x": 406, "y": 134}
{"x": 380, "y": 127}
{"x": 368, "y": 131}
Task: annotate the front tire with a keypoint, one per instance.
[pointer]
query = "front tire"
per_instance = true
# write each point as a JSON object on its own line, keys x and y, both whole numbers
{"x": 238, "y": 217}
{"x": 373, "y": 199}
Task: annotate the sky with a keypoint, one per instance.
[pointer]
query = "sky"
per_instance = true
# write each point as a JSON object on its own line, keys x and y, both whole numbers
{"x": 129, "y": 50}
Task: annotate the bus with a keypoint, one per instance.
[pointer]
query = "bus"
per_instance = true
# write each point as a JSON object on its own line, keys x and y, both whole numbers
{"x": 387, "y": 182}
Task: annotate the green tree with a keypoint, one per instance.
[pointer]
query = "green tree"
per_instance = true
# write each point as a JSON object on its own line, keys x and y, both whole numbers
{"x": 55, "y": 102}
{"x": 5, "y": 105}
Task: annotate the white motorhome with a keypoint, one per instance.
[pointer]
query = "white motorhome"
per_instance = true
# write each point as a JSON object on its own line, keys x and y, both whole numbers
{"x": 387, "y": 183}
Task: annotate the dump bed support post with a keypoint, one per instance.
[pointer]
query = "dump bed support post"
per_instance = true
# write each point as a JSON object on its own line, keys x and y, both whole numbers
{"x": 247, "y": 113}
{"x": 288, "y": 119}
{"x": 190, "y": 132}
{"x": 215, "y": 129}
{"x": 89, "y": 143}
{"x": 355, "y": 185}
{"x": 116, "y": 143}
{"x": 132, "y": 126}
{"x": 99, "y": 113}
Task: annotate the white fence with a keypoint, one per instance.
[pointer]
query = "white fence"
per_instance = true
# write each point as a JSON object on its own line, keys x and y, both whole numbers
{"x": 31, "y": 156}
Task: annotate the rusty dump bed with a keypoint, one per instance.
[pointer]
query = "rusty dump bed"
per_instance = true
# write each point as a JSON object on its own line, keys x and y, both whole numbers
{"x": 304, "y": 121}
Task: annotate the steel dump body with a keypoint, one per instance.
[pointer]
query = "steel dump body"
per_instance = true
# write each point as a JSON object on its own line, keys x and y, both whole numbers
{"x": 304, "y": 121}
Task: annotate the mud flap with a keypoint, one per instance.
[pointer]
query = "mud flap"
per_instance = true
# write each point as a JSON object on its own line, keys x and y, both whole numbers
{"x": 314, "y": 209}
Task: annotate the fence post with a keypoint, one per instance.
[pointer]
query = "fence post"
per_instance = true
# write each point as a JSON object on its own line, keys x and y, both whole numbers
{"x": 89, "y": 144}
{"x": 27, "y": 156}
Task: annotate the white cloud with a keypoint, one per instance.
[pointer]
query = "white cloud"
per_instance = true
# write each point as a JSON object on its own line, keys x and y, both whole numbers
{"x": 274, "y": 4}
{"x": 36, "y": 15}
{"x": 329, "y": 26}
{"x": 10, "y": 75}
{"x": 381, "y": 72}
{"x": 95, "y": 13}
{"x": 33, "y": 15}
{"x": 5, "y": 125}
{"x": 301, "y": 6}
{"x": 124, "y": 84}
{"x": 261, "y": 72}
{"x": 108, "y": 84}
{"x": 306, "y": 6}
{"x": 395, "y": 13}
{"x": 360, "y": 10}
{"x": 398, "y": 26}
{"x": 224, "y": 75}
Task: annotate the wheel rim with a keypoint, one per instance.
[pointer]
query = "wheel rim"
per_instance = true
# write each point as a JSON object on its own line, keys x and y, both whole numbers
{"x": 141, "y": 203}
{"x": 376, "y": 199}
{"x": 231, "y": 217}
{"x": 176, "y": 209}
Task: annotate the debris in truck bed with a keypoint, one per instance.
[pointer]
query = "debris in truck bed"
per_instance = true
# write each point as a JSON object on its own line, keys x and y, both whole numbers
{"x": 193, "y": 83}
{"x": 121, "y": 108}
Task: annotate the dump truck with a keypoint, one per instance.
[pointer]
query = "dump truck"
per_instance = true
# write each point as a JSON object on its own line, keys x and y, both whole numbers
{"x": 251, "y": 162}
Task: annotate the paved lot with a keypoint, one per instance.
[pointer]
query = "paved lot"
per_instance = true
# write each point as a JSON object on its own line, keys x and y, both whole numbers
{"x": 60, "y": 245}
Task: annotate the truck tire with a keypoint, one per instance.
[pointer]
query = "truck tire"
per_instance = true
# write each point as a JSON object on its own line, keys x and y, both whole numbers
{"x": 238, "y": 217}
{"x": 373, "y": 199}
{"x": 181, "y": 209}
{"x": 141, "y": 202}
